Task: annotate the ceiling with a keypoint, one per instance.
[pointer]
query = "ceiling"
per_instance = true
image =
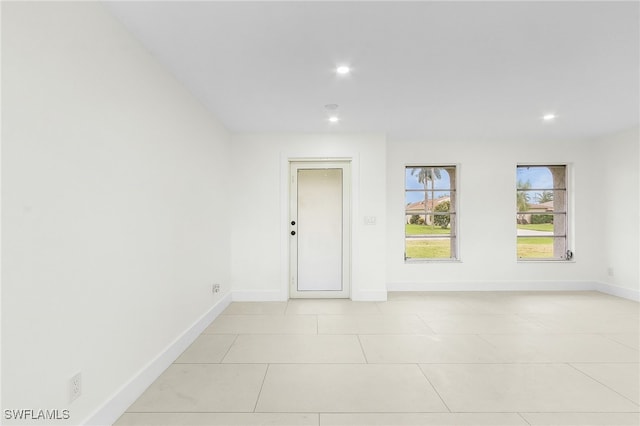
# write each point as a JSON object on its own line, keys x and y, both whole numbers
{"x": 437, "y": 71}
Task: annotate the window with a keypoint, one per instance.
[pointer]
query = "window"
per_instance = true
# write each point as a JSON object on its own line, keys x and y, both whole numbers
{"x": 430, "y": 213}
{"x": 541, "y": 218}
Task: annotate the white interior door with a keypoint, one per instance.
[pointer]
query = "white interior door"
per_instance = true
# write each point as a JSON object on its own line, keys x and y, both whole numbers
{"x": 319, "y": 229}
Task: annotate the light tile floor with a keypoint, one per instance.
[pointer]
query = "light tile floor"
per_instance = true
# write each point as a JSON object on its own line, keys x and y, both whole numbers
{"x": 463, "y": 358}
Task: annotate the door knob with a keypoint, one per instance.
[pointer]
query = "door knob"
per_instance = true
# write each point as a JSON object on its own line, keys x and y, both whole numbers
{"x": 293, "y": 232}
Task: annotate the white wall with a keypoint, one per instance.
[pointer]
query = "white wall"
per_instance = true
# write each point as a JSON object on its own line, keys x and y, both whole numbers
{"x": 618, "y": 161}
{"x": 115, "y": 200}
{"x": 259, "y": 263}
{"x": 487, "y": 241}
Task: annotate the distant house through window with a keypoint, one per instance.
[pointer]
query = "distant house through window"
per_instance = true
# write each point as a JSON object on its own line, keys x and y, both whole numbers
{"x": 430, "y": 213}
{"x": 541, "y": 218}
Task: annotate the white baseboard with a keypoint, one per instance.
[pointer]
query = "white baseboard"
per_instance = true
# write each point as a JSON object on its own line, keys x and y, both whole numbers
{"x": 614, "y": 290}
{"x": 278, "y": 296}
{"x": 494, "y": 286}
{"x": 115, "y": 406}
{"x": 369, "y": 296}
{"x": 259, "y": 296}
{"x": 517, "y": 286}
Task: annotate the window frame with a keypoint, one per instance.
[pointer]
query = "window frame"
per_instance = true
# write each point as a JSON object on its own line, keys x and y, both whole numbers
{"x": 568, "y": 256}
{"x": 454, "y": 235}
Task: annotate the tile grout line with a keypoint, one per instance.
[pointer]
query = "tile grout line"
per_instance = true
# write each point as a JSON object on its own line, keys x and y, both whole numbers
{"x": 229, "y": 349}
{"x": 599, "y": 382}
{"x": 517, "y": 363}
{"x": 482, "y": 338}
{"x": 523, "y": 418}
{"x": 366, "y": 360}
{"x": 424, "y": 322}
{"x": 606, "y": 336}
{"x": 434, "y": 388}
{"x": 264, "y": 379}
{"x": 237, "y": 412}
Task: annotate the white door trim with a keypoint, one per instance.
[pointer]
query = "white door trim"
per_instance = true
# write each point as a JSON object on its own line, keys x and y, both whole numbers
{"x": 345, "y": 166}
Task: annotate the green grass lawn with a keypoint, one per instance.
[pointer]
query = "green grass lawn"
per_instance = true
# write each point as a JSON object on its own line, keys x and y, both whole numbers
{"x": 414, "y": 229}
{"x": 429, "y": 249}
{"x": 535, "y": 247}
{"x": 539, "y": 227}
{"x": 528, "y": 247}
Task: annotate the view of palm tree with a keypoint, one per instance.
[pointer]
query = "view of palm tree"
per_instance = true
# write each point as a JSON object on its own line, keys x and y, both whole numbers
{"x": 537, "y": 211}
{"x": 544, "y": 197}
{"x": 523, "y": 198}
{"x": 426, "y": 175}
{"x": 428, "y": 212}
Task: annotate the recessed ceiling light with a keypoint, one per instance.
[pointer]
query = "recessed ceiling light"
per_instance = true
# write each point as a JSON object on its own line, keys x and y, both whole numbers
{"x": 333, "y": 119}
{"x": 549, "y": 117}
{"x": 343, "y": 70}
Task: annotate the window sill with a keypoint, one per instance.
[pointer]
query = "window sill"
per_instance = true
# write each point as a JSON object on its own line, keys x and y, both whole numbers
{"x": 522, "y": 261}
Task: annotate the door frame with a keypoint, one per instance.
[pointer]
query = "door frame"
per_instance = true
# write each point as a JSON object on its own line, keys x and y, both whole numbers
{"x": 315, "y": 163}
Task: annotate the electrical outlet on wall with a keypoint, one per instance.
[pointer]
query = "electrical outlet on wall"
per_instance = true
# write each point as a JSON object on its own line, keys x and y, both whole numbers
{"x": 215, "y": 288}
{"x": 610, "y": 271}
{"x": 75, "y": 387}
